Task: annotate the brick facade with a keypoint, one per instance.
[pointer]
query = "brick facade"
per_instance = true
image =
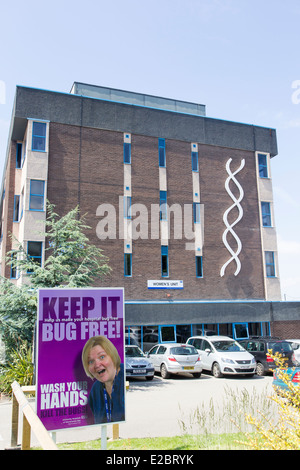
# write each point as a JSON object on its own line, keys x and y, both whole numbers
{"x": 286, "y": 329}
{"x": 86, "y": 168}
{"x": 8, "y": 211}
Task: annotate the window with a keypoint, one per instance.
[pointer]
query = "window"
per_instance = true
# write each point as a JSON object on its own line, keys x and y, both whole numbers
{"x": 199, "y": 272}
{"x": 13, "y": 268}
{"x": 163, "y": 205}
{"x": 127, "y": 264}
{"x": 16, "y": 209}
{"x": 36, "y": 197}
{"x": 263, "y": 165}
{"x": 270, "y": 263}
{"x": 196, "y": 211}
{"x": 206, "y": 345}
{"x": 241, "y": 330}
{"x": 127, "y": 207}
{"x": 150, "y": 337}
{"x": 194, "y": 161}
{"x": 183, "y": 332}
{"x": 127, "y": 152}
{"x": 39, "y": 136}
{"x": 19, "y": 156}
{"x": 168, "y": 333}
{"x": 266, "y": 214}
{"x": 162, "y": 152}
{"x": 164, "y": 261}
{"x": 21, "y": 205}
{"x": 34, "y": 251}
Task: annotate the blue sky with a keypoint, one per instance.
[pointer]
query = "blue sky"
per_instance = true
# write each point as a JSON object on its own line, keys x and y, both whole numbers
{"x": 238, "y": 57}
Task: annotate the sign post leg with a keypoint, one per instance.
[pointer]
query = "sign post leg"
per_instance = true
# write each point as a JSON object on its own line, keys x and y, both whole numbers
{"x": 103, "y": 437}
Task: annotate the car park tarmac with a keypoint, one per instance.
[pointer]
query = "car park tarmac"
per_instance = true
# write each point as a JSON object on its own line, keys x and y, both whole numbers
{"x": 155, "y": 408}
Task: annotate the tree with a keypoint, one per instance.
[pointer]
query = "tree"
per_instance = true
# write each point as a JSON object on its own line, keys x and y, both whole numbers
{"x": 70, "y": 261}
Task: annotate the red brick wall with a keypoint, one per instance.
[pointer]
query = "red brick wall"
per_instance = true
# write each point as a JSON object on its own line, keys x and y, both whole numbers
{"x": 9, "y": 208}
{"x": 286, "y": 329}
{"x": 96, "y": 156}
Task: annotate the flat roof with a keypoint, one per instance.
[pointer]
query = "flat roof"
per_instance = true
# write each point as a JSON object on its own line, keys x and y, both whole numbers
{"x": 139, "y": 99}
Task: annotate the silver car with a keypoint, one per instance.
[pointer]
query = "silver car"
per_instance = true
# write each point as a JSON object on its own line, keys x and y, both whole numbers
{"x": 137, "y": 365}
{"x": 296, "y": 347}
{"x": 173, "y": 358}
{"x": 223, "y": 355}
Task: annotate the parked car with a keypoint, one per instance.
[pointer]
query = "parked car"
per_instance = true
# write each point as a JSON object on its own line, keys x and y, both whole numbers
{"x": 137, "y": 364}
{"x": 259, "y": 347}
{"x": 294, "y": 376}
{"x": 173, "y": 358}
{"x": 296, "y": 348}
{"x": 223, "y": 355}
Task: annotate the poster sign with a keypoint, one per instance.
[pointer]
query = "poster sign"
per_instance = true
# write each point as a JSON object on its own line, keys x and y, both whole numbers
{"x": 80, "y": 357}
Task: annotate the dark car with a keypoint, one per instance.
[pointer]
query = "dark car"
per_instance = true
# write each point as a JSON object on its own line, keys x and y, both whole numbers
{"x": 259, "y": 347}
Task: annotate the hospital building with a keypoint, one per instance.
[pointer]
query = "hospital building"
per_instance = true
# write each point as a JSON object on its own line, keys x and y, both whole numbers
{"x": 180, "y": 203}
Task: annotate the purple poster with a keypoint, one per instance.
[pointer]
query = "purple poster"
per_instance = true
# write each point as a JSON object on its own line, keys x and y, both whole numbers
{"x": 80, "y": 357}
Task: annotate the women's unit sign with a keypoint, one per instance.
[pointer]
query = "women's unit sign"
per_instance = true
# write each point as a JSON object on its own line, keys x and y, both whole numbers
{"x": 67, "y": 319}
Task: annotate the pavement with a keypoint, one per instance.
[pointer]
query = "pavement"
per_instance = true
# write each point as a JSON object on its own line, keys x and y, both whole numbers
{"x": 155, "y": 408}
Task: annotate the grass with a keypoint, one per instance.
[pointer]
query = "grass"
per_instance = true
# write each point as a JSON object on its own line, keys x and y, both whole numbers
{"x": 211, "y": 426}
{"x": 185, "y": 442}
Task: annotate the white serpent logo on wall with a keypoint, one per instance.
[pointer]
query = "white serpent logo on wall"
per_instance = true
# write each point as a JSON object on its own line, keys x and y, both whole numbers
{"x": 236, "y": 203}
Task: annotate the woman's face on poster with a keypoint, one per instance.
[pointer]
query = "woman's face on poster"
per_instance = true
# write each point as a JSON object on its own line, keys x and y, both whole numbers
{"x": 100, "y": 365}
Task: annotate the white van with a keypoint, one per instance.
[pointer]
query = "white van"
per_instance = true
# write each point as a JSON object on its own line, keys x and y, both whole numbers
{"x": 223, "y": 355}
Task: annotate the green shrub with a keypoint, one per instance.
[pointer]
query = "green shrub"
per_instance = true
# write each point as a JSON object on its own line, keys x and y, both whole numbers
{"x": 282, "y": 432}
{"x": 20, "y": 369}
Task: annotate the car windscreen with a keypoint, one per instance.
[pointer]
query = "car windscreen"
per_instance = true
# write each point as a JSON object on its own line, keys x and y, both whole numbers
{"x": 280, "y": 346}
{"x": 133, "y": 352}
{"x": 229, "y": 346}
{"x": 183, "y": 350}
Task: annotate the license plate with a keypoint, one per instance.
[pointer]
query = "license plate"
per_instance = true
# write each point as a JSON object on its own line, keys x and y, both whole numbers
{"x": 244, "y": 367}
{"x": 139, "y": 371}
{"x": 188, "y": 368}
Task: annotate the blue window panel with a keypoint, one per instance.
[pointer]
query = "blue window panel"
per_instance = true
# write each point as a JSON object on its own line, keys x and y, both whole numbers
{"x": 34, "y": 251}
{"x": 196, "y": 212}
{"x": 36, "y": 197}
{"x": 39, "y": 136}
{"x": 16, "y": 209}
{"x": 195, "y": 161}
{"x": 127, "y": 207}
{"x": 199, "y": 270}
{"x": 19, "y": 155}
{"x": 162, "y": 152}
{"x": 163, "y": 205}
{"x": 167, "y": 333}
{"x": 266, "y": 214}
{"x": 270, "y": 263}
{"x": 263, "y": 165}
{"x": 164, "y": 261}
{"x": 127, "y": 264}
{"x": 13, "y": 269}
{"x": 240, "y": 330}
{"x": 127, "y": 152}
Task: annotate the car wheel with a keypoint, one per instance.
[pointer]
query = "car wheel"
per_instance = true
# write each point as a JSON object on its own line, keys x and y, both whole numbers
{"x": 260, "y": 370}
{"x": 216, "y": 370}
{"x": 164, "y": 373}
